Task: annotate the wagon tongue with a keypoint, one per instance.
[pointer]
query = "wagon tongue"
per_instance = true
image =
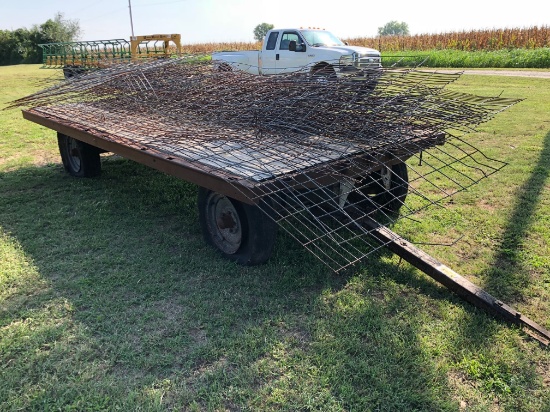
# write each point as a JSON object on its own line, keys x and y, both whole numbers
{"x": 455, "y": 282}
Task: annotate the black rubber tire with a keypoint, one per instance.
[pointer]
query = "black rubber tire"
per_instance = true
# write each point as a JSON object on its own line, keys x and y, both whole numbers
{"x": 249, "y": 235}
{"x": 79, "y": 159}
{"x": 323, "y": 73}
{"x": 67, "y": 72}
{"x": 72, "y": 71}
{"x": 224, "y": 67}
{"x": 388, "y": 200}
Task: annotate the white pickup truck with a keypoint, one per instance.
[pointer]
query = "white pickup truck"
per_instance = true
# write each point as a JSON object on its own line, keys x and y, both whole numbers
{"x": 290, "y": 50}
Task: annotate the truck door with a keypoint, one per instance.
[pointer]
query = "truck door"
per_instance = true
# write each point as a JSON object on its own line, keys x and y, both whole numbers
{"x": 268, "y": 56}
{"x": 291, "y": 61}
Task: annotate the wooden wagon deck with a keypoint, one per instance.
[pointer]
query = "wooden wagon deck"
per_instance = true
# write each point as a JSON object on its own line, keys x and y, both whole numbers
{"x": 203, "y": 153}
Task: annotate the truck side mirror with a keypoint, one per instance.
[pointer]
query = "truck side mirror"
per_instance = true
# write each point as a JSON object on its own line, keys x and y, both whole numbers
{"x": 293, "y": 46}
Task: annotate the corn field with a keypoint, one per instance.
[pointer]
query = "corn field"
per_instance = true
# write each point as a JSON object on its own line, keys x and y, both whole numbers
{"x": 487, "y": 40}
{"x": 202, "y": 48}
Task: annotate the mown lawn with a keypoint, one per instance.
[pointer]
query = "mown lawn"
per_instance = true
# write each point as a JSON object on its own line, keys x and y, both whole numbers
{"x": 110, "y": 299}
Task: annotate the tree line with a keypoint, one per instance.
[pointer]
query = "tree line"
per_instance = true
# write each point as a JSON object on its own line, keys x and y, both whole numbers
{"x": 392, "y": 28}
{"x": 21, "y": 45}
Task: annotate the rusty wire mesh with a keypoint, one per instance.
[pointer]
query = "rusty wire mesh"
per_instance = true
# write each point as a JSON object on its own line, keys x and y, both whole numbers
{"x": 327, "y": 157}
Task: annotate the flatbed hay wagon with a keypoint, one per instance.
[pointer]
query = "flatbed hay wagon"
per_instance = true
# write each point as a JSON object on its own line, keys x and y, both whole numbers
{"x": 328, "y": 162}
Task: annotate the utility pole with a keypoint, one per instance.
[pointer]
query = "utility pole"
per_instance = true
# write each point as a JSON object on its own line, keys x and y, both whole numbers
{"x": 131, "y": 21}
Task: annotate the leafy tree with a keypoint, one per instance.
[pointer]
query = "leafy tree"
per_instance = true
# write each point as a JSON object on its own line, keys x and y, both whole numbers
{"x": 261, "y": 30}
{"x": 14, "y": 46}
{"x": 59, "y": 30}
{"x": 21, "y": 45}
{"x": 394, "y": 28}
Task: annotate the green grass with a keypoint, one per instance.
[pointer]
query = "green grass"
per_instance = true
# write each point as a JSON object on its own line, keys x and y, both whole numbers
{"x": 514, "y": 58}
{"x": 110, "y": 299}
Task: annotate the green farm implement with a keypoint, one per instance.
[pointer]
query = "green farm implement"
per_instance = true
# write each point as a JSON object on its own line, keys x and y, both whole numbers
{"x": 75, "y": 57}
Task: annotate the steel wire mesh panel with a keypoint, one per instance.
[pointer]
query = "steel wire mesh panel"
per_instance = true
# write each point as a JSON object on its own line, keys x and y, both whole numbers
{"x": 328, "y": 158}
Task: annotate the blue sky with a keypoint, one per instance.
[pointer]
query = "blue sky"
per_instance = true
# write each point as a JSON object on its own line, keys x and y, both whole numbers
{"x": 233, "y": 20}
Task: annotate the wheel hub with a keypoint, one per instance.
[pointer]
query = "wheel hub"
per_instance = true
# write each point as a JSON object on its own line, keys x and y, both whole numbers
{"x": 226, "y": 221}
{"x": 74, "y": 155}
{"x": 226, "y": 225}
{"x": 385, "y": 174}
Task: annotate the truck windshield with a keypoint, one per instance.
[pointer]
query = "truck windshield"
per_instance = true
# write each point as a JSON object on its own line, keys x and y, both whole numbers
{"x": 317, "y": 38}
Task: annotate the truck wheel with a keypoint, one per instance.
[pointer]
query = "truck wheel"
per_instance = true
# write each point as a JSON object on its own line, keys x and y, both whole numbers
{"x": 79, "y": 159}
{"x": 242, "y": 233}
{"x": 225, "y": 68}
{"x": 384, "y": 190}
{"x": 323, "y": 73}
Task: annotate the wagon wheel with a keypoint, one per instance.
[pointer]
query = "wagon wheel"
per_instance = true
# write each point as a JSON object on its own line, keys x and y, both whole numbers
{"x": 385, "y": 190}
{"x": 72, "y": 71}
{"x": 79, "y": 159}
{"x": 68, "y": 72}
{"x": 242, "y": 233}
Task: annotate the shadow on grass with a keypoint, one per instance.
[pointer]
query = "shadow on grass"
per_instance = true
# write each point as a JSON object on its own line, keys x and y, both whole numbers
{"x": 488, "y": 360}
{"x": 507, "y": 275}
{"x": 141, "y": 314}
